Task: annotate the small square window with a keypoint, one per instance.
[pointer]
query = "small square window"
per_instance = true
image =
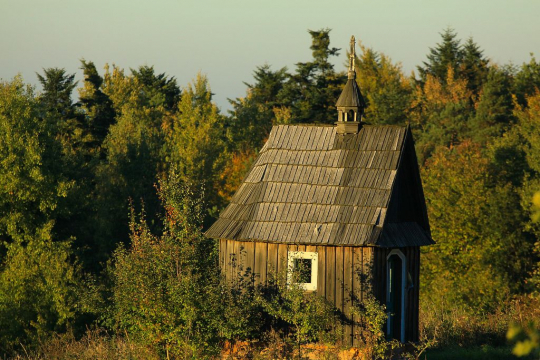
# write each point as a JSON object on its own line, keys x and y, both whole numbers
{"x": 302, "y": 269}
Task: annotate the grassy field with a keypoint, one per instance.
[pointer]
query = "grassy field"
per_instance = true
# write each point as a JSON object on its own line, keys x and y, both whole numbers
{"x": 475, "y": 353}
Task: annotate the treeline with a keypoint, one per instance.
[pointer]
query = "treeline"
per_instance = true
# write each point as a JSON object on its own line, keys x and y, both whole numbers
{"x": 70, "y": 171}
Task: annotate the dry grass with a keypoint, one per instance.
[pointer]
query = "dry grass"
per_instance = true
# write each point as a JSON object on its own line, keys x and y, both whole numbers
{"x": 451, "y": 326}
{"x": 95, "y": 344}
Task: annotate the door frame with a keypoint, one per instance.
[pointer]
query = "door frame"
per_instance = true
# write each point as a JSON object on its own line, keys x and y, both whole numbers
{"x": 403, "y": 288}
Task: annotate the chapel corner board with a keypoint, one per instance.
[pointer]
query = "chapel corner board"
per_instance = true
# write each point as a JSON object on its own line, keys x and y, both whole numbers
{"x": 343, "y": 203}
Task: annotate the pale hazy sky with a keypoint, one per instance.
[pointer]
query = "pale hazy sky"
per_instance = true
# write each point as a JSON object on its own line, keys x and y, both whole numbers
{"x": 227, "y": 39}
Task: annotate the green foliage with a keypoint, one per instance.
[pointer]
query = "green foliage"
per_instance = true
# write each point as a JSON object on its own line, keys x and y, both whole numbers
{"x": 440, "y": 111}
{"x": 39, "y": 289}
{"x": 195, "y": 142}
{"x": 494, "y": 108}
{"x": 97, "y": 106}
{"x": 447, "y": 54}
{"x": 29, "y": 191}
{"x": 372, "y": 317}
{"x": 385, "y": 88}
{"x": 307, "y": 316}
{"x": 527, "y": 339}
{"x": 479, "y": 255}
{"x": 474, "y": 66}
{"x": 160, "y": 89}
{"x": 134, "y": 158}
{"x": 527, "y": 80}
{"x": 166, "y": 291}
{"x": 57, "y": 89}
{"x": 310, "y": 94}
{"x": 252, "y": 117}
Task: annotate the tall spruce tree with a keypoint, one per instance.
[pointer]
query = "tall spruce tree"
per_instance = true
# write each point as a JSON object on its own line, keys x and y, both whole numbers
{"x": 448, "y": 53}
{"x": 474, "y": 66}
{"x": 310, "y": 94}
{"x": 57, "y": 89}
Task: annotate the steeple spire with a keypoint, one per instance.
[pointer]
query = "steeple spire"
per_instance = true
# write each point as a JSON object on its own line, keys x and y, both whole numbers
{"x": 352, "y": 72}
{"x": 350, "y": 105}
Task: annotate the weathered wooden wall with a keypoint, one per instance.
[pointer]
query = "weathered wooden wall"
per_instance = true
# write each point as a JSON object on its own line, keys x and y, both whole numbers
{"x": 344, "y": 273}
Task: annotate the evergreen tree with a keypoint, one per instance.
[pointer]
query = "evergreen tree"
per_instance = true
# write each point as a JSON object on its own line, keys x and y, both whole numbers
{"x": 310, "y": 94}
{"x": 527, "y": 81}
{"x": 474, "y": 66}
{"x": 160, "y": 84}
{"x": 494, "y": 108}
{"x": 252, "y": 117}
{"x": 67, "y": 155}
{"x": 440, "y": 112}
{"x": 447, "y": 54}
{"x": 57, "y": 89}
{"x": 133, "y": 160}
{"x": 98, "y": 107}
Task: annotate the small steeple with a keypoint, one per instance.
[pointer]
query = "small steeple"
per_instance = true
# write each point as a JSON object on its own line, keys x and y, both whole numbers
{"x": 350, "y": 105}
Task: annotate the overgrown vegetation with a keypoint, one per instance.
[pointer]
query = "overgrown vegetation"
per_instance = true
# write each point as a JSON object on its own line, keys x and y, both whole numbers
{"x": 73, "y": 257}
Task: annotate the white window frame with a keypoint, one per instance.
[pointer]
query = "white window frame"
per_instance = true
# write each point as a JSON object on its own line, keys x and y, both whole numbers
{"x": 403, "y": 290}
{"x": 292, "y": 255}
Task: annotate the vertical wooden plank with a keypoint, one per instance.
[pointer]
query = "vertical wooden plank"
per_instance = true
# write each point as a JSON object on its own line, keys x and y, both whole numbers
{"x": 272, "y": 267}
{"x": 358, "y": 276}
{"x": 310, "y": 248}
{"x": 249, "y": 263}
{"x": 347, "y": 291}
{"x": 331, "y": 274}
{"x": 368, "y": 272}
{"x": 261, "y": 252}
{"x": 339, "y": 277}
{"x": 282, "y": 260}
{"x": 222, "y": 250}
{"x": 411, "y": 311}
{"x": 233, "y": 259}
{"x": 321, "y": 275}
{"x": 417, "y": 293}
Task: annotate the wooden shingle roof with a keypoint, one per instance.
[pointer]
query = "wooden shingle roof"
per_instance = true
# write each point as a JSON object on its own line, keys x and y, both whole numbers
{"x": 310, "y": 185}
{"x": 351, "y": 96}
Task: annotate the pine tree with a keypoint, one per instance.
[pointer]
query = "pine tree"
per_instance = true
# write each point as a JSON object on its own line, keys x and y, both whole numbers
{"x": 448, "y": 53}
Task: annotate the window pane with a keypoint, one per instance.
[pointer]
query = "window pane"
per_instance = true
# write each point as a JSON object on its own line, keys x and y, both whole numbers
{"x": 302, "y": 270}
